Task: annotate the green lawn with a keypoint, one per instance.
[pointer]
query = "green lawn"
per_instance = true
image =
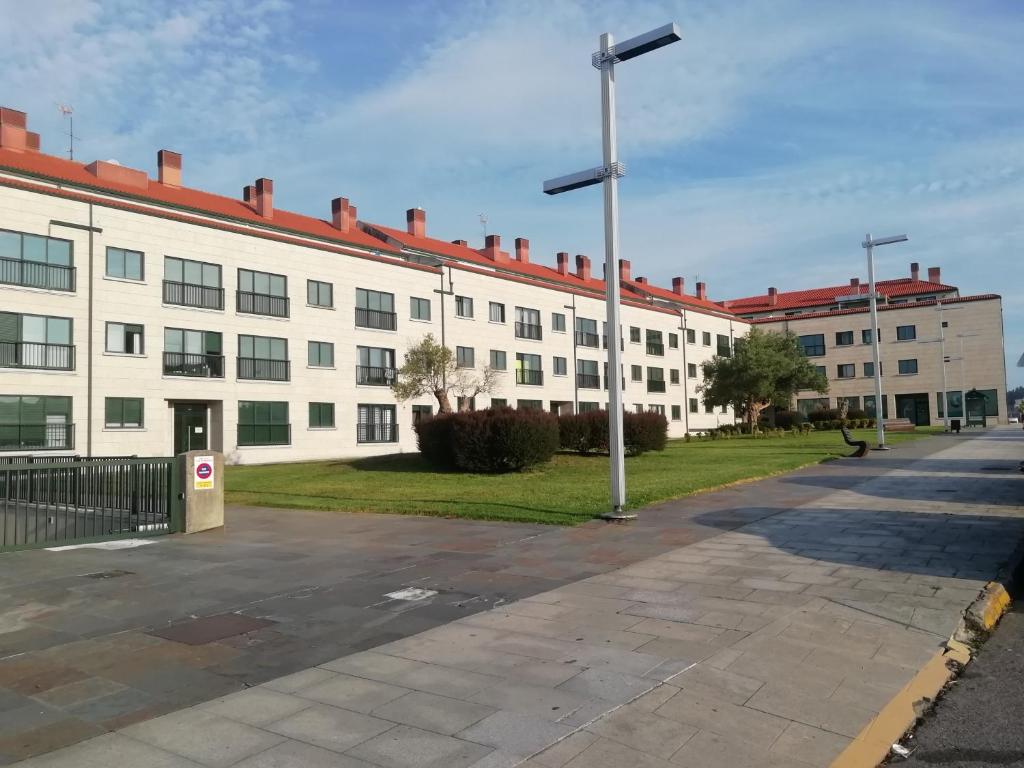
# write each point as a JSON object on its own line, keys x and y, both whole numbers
{"x": 569, "y": 490}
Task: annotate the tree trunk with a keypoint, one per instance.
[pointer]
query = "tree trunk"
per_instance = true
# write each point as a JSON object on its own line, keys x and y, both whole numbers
{"x": 444, "y": 405}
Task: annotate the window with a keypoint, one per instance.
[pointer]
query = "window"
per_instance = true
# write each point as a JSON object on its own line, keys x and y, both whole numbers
{"x": 558, "y": 322}
{"x": 586, "y": 332}
{"x": 588, "y": 407}
{"x": 908, "y": 367}
{"x": 193, "y": 353}
{"x": 419, "y": 309}
{"x": 813, "y": 345}
{"x": 677, "y": 413}
{"x": 808, "y": 405}
{"x": 321, "y": 354}
{"x": 655, "y": 345}
{"x": 691, "y": 370}
{"x": 528, "y": 324}
{"x": 29, "y": 422}
{"x": 375, "y": 309}
{"x": 853, "y": 403}
{"x": 496, "y": 312}
{"x": 375, "y": 366}
{"x": 869, "y": 407}
{"x": 846, "y": 371}
{"x": 190, "y": 283}
{"x": 821, "y": 369}
{"x": 709, "y": 408}
{"x": 724, "y": 410}
{"x": 956, "y": 403}
{"x": 463, "y": 306}
{"x": 262, "y": 293}
{"x": 673, "y": 341}
{"x": 499, "y": 402}
{"x": 691, "y": 336}
{"x": 532, "y": 405}
{"x": 654, "y": 408}
{"x": 559, "y": 366}
{"x": 673, "y": 375}
{"x": 693, "y": 405}
{"x": 124, "y": 338}
{"x": 319, "y": 294}
{"x": 36, "y": 261}
{"x": 465, "y": 357}
{"x": 638, "y": 407}
{"x": 636, "y": 373}
{"x": 845, "y": 338}
{"x": 634, "y": 335}
{"x": 991, "y": 401}
{"x": 586, "y": 374}
{"x": 865, "y": 335}
{"x": 376, "y": 424}
{"x": 463, "y": 403}
{"x": 724, "y": 345}
{"x": 123, "y": 412}
{"x": 705, "y": 338}
{"x": 421, "y": 412}
{"x": 655, "y": 379}
{"x": 321, "y": 415}
{"x": 263, "y": 422}
{"x": 263, "y": 357}
{"x": 36, "y": 341}
{"x": 498, "y": 360}
{"x": 906, "y": 332}
{"x": 869, "y": 370}
{"x": 528, "y": 369}
{"x": 124, "y": 264}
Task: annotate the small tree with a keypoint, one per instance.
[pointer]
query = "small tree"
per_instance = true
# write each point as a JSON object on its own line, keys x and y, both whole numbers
{"x": 765, "y": 369}
{"x": 431, "y": 368}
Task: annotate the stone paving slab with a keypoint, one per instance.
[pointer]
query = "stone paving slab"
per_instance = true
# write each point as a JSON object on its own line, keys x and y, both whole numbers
{"x": 770, "y": 644}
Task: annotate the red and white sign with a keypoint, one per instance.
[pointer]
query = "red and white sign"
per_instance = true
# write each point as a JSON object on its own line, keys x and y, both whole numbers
{"x": 203, "y": 473}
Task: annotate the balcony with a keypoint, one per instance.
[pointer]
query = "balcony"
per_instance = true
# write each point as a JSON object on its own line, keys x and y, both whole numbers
{"x": 33, "y": 274}
{"x": 261, "y": 304}
{"x": 375, "y": 375}
{"x": 529, "y": 376}
{"x": 655, "y": 385}
{"x": 193, "y": 295}
{"x": 31, "y": 354}
{"x": 587, "y": 339}
{"x": 529, "y": 331}
{"x": 376, "y": 433}
{"x": 37, "y": 437}
{"x": 655, "y": 348}
{"x": 262, "y": 369}
{"x": 377, "y": 319}
{"x": 194, "y": 365}
{"x": 588, "y": 381}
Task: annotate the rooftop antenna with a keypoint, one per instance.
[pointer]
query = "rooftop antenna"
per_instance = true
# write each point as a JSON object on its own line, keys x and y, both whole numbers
{"x": 68, "y": 112}
{"x": 483, "y": 223}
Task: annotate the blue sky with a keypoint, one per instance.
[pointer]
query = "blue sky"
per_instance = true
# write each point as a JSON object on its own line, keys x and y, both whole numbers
{"x": 760, "y": 149}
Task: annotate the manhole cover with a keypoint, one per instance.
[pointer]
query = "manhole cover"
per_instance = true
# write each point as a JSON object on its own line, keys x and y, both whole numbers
{"x": 211, "y": 628}
{"x": 108, "y": 574}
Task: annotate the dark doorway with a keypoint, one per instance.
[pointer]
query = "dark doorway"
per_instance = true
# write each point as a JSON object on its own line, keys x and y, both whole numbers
{"x": 191, "y": 431}
{"x": 914, "y": 407}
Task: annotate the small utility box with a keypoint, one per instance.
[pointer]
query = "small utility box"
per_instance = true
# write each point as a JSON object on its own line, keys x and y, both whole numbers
{"x": 202, "y": 484}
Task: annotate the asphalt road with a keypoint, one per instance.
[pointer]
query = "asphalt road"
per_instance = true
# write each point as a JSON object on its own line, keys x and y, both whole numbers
{"x": 979, "y": 721}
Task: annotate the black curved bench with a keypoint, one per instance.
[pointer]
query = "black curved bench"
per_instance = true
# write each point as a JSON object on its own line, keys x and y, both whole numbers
{"x": 860, "y": 445}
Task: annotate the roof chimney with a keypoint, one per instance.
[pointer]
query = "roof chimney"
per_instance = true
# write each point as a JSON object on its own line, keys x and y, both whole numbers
{"x": 353, "y": 215}
{"x": 249, "y": 194}
{"x": 642, "y": 280}
{"x": 265, "y": 198}
{"x": 624, "y": 269}
{"x": 773, "y": 294}
{"x": 14, "y": 133}
{"x": 562, "y": 262}
{"x": 416, "y": 222}
{"x": 582, "y": 267}
{"x": 854, "y": 282}
{"x": 463, "y": 243}
{"x": 934, "y": 275}
{"x": 341, "y": 214}
{"x": 702, "y": 291}
{"x": 522, "y": 250}
{"x": 915, "y": 271}
{"x": 169, "y": 167}
{"x": 678, "y": 284}
{"x": 492, "y": 249}
{"x": 114, "y": 172}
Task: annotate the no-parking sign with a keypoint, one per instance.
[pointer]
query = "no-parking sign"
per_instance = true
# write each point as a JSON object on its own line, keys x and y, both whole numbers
{"x": 203, "y": 474}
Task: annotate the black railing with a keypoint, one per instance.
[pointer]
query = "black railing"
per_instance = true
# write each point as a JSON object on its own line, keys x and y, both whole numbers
{"x": 31, "y": 354}
{"x": 376, "y": 318}
{"x": 195, "y": 365}
{"x": 263, "y": 369}
{"x": 376, "y": 433}
{"x": 37, "y": 437}
{"x": 587, "y": 339}
{"x": 193, "y": 295}
{"x": 655, "y": 348}
{"x": 655, "y": 385}
{"x": 375, "y": 375}
{"x": 529, "y": 331}
{"x": 588, "y": 381}
{"x": 261, "y": 304}
{"x": 34, "y": 274}
{"x": 529, "y": 376}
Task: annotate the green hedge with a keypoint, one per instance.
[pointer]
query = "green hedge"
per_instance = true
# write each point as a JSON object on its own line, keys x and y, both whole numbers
{"x": 492, "y": 440}
{"x": 588, "y": 432}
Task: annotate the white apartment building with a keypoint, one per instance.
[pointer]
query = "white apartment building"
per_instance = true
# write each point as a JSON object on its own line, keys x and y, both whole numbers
{"x": 141, "y": 317}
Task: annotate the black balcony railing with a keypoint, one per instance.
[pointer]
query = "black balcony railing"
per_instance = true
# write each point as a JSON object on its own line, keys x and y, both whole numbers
{"x": 529, "y": 376}
{"x": 587, "y": 339}
{"x": 263, "y": 369}
{"x": 376, "y": 318}
{"x": 33, "y": 274}
{"x": 37, "y": 437}
{"x": 261, "y": 304}
{"x": 588, "y": 381}
{"x": 31, "y": 354}
{"x": 375, "y": 375}
{"x": 655, "y": 348}
{"x": 193, "y": 295}
{"x": 376, "y": 433}
{"x": 195, "y": 365}
{"x": 655, "y": 385}
{"x": 529, "y": 331}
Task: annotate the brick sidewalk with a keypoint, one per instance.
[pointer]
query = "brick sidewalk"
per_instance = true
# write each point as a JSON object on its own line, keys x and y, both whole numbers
{"x": 772, "y": 644}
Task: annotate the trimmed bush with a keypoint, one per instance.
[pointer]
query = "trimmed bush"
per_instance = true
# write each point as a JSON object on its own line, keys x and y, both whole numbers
{"x": 492, "y": 440}
{"x": 787, "y": 419}
{"x": 588, "y": 432}
{"x": 855, "y": 414}
{"x": 644, "y": 432}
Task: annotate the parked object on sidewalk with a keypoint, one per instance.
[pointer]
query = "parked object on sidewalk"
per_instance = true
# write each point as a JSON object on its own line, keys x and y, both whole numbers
{"x": 899, "y": 749}
{"x": 860, "y": 445}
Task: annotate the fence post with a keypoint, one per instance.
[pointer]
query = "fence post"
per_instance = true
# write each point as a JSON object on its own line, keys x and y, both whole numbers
{"x": 202, "y": 487}
{"x": 175, "y": 494}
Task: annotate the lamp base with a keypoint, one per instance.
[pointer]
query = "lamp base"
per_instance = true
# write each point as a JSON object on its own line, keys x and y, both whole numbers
{"x": 882, "y": 448}
{"x": 618, "y": 516}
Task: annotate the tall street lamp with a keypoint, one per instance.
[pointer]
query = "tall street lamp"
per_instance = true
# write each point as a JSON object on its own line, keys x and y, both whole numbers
{"x": 869, "y": 246}
{"x": 609, "y": 174}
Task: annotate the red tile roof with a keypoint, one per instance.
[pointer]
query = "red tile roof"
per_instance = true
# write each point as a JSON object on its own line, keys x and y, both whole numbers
{"x": 816, "y": 297}
{"x": 881, "y": 308}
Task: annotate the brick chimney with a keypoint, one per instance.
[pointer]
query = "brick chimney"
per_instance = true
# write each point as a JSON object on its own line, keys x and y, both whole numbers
{"x": 463, "y": 243}
{"x": 265, "y": 198}
{"x": 341, "y": 214}
{"x": 624, "y": 269}
{"x": 642, "y": 280}
{"x": 416, "y": 222}
{"x": 562, "y": 262}
{"x": 116, "y": 173}
{"x": 522, "y": 250}
{"x": 855, "y": 282}
{"x": 14, "y": 133}
{"x": 492, "y": 249}
{"x": 934, "y": 275}
{"x": 353, "y": 215}
{"x": 702, "y": 290}
{"x": 915, "y": 271}
{"x": 582, "y": 267}
{"x": 678, "y": 285}
{"x": 249, "y": 194}
{"x": 168, "y": 166}
{"x": 773, "y": 295}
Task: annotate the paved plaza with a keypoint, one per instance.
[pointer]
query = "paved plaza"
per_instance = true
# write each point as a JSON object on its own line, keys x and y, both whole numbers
{"x": 761, "y": 625}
